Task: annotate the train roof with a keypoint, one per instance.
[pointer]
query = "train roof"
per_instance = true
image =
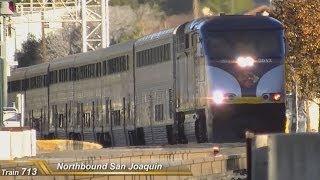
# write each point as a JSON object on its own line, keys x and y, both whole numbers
{"x": 61, "y": 63}
{"x": 238, "y": 22}
{"x": 121, "y": 47}
{"x": 88, "y": 57}
{"x": 18, "y": 74}
{"x": 232, "y": 22}
{"x": 155, "y": 36}
{"x": 195, "y": 24}
{"x": 103, "y": 53}
{"x": 38, "y": 69}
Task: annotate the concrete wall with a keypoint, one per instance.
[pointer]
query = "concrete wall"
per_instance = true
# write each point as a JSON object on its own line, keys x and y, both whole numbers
{"x": 286, "y": 157}
{"x": 63, "y": 145}
{"x": 201, "y": 162}
{"x": 17, "y": 143}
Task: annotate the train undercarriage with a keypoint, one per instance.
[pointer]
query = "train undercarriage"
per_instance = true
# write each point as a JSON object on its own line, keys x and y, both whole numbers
{"x": 231, "y": 121}
{"x": 223, "y": 124}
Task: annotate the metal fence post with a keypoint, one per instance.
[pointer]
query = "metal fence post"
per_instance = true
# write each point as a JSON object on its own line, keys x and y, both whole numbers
{"x": 1, "y": 92}
{"x": 249, "y": 137}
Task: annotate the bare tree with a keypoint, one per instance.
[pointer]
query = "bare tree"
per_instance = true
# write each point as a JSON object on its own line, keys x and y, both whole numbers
{"x": 64, "y": 42}
{"x": 149, "y": 18}
{"x": 126, "y": 23}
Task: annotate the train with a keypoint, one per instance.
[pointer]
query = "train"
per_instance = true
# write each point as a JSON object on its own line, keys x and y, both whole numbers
{"x": 206, "y": 80}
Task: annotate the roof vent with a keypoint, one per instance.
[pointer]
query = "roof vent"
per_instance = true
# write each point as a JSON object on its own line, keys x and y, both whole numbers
{"x": 264, "y": 13}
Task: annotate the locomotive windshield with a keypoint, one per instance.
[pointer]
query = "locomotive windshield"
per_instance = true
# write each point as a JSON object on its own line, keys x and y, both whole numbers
{"x": 230, "y": 44}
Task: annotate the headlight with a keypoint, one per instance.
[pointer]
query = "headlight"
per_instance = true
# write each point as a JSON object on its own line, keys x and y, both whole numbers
{"x": 272, "y": 96}
{"x": 276, "y": 96}
{"x": 217, "y": 97}
{"x": 245, "y": 61}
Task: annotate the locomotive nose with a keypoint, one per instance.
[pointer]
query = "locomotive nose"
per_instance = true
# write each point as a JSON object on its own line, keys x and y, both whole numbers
{"x": 231, "y": 121}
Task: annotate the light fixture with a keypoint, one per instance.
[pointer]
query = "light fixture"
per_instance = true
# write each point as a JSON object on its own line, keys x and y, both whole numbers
{"x": 245, "y": 61}
{"x": 217, "y": 97}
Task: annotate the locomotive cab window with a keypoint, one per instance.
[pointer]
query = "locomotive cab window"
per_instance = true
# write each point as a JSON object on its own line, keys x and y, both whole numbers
{"x": 230, "y": 44}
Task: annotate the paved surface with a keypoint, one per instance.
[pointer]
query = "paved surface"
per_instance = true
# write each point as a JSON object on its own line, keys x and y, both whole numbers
{"x": 187, "y": 147}
{"x": 225, "y": 149}
{"x": 198, "y": 158}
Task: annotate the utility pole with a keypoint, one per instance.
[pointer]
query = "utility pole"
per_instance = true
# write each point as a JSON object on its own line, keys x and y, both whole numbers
{"x": 296, "y": 97}
{"x": 196, "y": 9}
{"x": 1, "y": 92}
{"x": 4, "y": 12}
{"x": 105, "y": 23}
{"x": 232, "y": 7}
{"x": 4, "y": 63}
{"x": 76, "y": 11}
{"x": 84, "y": 25}
{"x": 43, "y": 43}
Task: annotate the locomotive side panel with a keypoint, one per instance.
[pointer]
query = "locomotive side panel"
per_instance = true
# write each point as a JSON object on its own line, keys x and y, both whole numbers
{"x": 191, "y": 85}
